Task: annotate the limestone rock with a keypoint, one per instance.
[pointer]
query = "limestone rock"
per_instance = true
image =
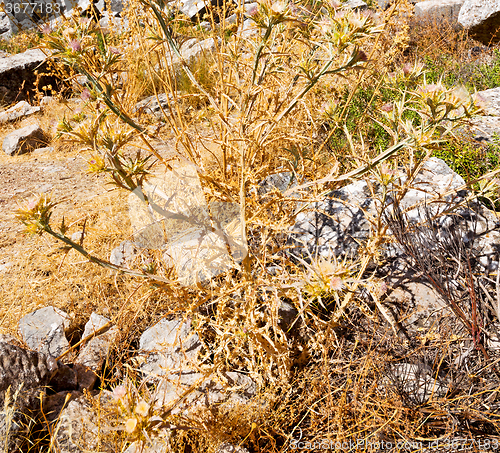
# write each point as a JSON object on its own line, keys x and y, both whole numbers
{"x": 155, "y": 446}
{"x": 21, "y": 109}
{"x": 17, "y": 75}
{"x": 43, "y": 330}
{"x": 95, "y": 351}
{"x": 81, "y": 426}
{"x": 416, "y": 382}
{"x": 193, "y": 49}
{"x": 485, "y": 128}
{"x": 490, "y": 101}
{"x": 196, "y": 8}
{"x": 47, "y": 100}
{"x": 438, "y": 11}
{"x": 123, "y": 254}
{"x": 168, "y": 345}
{"x": 338, "y": 223}
{"x": 482, "y": 19}
{"x": 232, "y": 387}
{"x": 23, "y": 140}
{"x": 278, "y": 181}
{"x": 4, "y": 23}
{"x": 179, "y": 221}
{"x": 423, "y": 307}
{"x": 226, "y": 447}
{"x": 153, "y": 105}
{"x": 356, "y": 4}
{"x": 44, "y": 150}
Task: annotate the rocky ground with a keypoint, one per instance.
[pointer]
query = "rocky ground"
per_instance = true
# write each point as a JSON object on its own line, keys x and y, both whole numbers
{"x": 70, "y": 356}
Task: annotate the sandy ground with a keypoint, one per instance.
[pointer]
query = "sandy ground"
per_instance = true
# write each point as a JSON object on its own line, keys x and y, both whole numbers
{"x": 22, "y": 177}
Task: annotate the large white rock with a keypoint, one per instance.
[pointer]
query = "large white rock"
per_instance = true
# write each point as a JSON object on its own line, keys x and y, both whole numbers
{"x": 168, "y": 346}
{"x": 233, "y": 388}
{"x": 23, "y": 140}
{"x": 95, "y": 351}
{"x": 43, "y": 330}
{"x": 198, "y": 240}
{"x": 340, "y": 222}
{"x": 81, "y": 424}
{"x": 21, "y": 109}
{"x": 17, "y": 74}
{"x": 482, "y": 19}
{"x": 416, "y": 382}
{"x": 489, "y": 101}
{"x": 439, "y": 11}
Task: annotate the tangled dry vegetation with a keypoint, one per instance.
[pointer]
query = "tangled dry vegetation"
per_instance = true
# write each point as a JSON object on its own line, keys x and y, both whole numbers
{"x": 329, "y": 95}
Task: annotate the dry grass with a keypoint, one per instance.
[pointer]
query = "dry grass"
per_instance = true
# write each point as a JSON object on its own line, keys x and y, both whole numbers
{"x": 329, "y": 378}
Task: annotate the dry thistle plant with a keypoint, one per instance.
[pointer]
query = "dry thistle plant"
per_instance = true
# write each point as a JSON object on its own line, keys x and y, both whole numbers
{"x": 247, "y": 109}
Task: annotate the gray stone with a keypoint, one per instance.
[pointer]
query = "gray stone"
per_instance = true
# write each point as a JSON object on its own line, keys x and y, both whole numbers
{"x": 123, "y": 254}
{"x": 250, "y": 5}
{"x": 340, "y": 222}
{"x": 23, "y": 140}
{"x": 153, "y": 105}
{"x": 80, "y": 427}
{"x": 232, "y": 388}
{"x": 114, "y": 21}
{"x": 155, "y": 446}
{"x": 20, "y": 110}
{"x": 485, "y": 129}
{"x": 44, "y": 150}
{"x": 18, "y": 78}
{"x": 231, "y": 20}
{"x": 200, "y": 255}
{"x": 43, "y": 330}
{"x": 489, "y": 100}
{"x": 205, "y": 25}
{"x": 356, "y": 4}
{"x": 4, "y": 23}
{"x": 196, "y": 8}
{"x": 435, "y": 179}
{"x": 482, "y": 19}
{"x": 47, "y": 100}
{"x": 193, "y": 49}
{"x": 168, "y": 346}
{"x": 226, "y": 447}
{"x": 178, "y": 213}
{"x": 278, "y": 181}
{"x": 416, "y": 382}
{"x": 423, "y": 307}
{"x": 438, "y": 11}
{"x": 95, "y": 351}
